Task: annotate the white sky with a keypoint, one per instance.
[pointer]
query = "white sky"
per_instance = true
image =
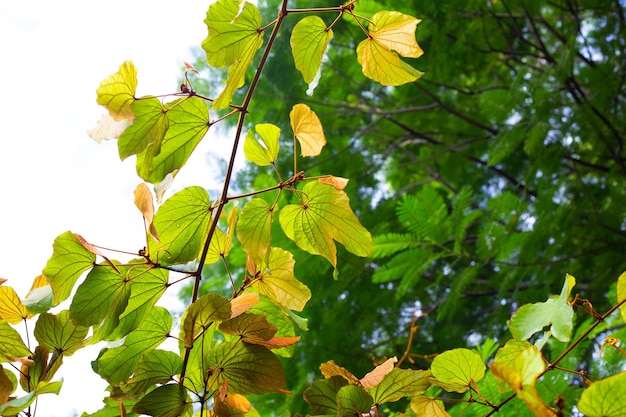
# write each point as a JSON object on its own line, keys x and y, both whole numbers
{"x": 54, "y": 178}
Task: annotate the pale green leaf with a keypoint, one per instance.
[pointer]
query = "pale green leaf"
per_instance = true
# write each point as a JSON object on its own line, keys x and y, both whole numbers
{"x": 16, "y": 405}
{"x": 165, "y": 401}
{"x": 148, "y": 128}
{"x": 245, "y": 369}
{"x": 309, "y": 40}
{"x": 605, "y": 398}
{"x": 69, "y": 260}
{"x": 11, "y": 344}
{"x": 11, "y": 308}
{"x": 458, "y": 366}
{"x": 262, "y": 153}
{"x": 154, "y": 367}
{"x": 400, "y": 383}
{"x": 204, "y": 311}
{"x": 396, "y": 31}
{"x": 58, "y": 333}
{"x": 324, "y": 215}
{"x": 322, "y": 395}
{"x": 188, "y": 120}
{"x": 621, "y": 293}
{"x": 182, "y": 222}
{"x": 353, "y": 401}
{"x": 39, "y": 298}
{"x": 254, "y": 228}
{"x": 117, "y": 92}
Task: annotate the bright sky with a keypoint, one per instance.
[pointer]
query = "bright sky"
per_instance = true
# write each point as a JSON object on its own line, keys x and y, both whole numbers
{"x": 53, "y": 56}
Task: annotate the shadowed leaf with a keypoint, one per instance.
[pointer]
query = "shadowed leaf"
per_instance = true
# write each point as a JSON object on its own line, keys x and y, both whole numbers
{"x": 165, "y": 401}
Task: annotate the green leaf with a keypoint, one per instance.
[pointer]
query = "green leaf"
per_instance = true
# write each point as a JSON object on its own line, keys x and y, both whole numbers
{"x": 277, "y": 281}
{"x": 31, "y": 374}
{"x": 322, "y": 395}
{"x": 283, "y": 321}
{"x": 309, "y": 40}
{"x": 154, "y": 367}
{"x": 353, "y": 401}
{"x": 104, "y": 292}
{"x": 556, "y": 313}
{"x": 202, "y": 313}
{"x": 165, "y": 401}
{"x": 58, "y": 333}
{"x": 16, "y": 405}
{"x": 254, "y": 228}
{"x": 148, "y": 128}
{"x": 11, "y": 344}
{"x": 621, "y": 293}
{"x": 188, "y": 123}
{"x": 69, "y": 260}
{"x": 324, "y": 215}
{"x": 117, "y": 364}
{"x": 182, "y": 223}
{"x": 459, "y": 368}
{"x": 605, "y": 398}
{"x": 400, "y": 383}
{"x": 245, "y": 369}
{"x": 117, "y": 92}
{"x": 265, "y": 152}
{"x": 11, "y": 308}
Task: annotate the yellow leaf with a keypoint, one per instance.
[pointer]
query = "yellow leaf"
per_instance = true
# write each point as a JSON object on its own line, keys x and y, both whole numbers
{"x": 383, "y": 66}
{"x": 238, "y": 402}
{"x": 11, "y": 308}
{"x": 307, "y": 128}
{"x": 143, "y": 201}
{"x": 117, "y": 92}
{"x": 337, "y": 182}
{"x": 330, "y": 368}
{"x": 621, "y": 293}
{"x": 428, "y": 407}
{"x": 396, "y": 31}
{"x": 243, "y": 303}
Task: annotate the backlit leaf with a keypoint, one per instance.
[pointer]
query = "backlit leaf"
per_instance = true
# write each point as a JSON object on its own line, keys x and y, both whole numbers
{"x": 69, "y": 260}
{"x": 458, "y": 366}
{"x": 309, "y": 40}
{"x": 254, "y": 228}
{"x": 154, "y": 367}
{"x": 308, "y": 129}
{"x": 280, "y": 318}
{"x": 39, "y": 298}
{"x": 276, "y": 280}
{"x": 400, "y": 383}
{"x": 16, "y": 405}
{"x": 188, "y": 123}
{"x": 245, "y": 369}
{"x": 32, "y": 373}
{"x": 396, "y": 31}
{"x": 204, "y": 311}
{"x": 324, "y": 215}
{"x": 353, "y": 401}
{"x": 117, "y": 92}
{"x": 145, "y": 204}
{"x": 7, "y": 385}
{"x": 149, "y": 127}
{"x": 11, "y": 308}
{"x": 621, "y": 293}
{"x": 330, "y": 369}
{"x": 251, "y": 328}
{"x": 322, "y": 395}
{"x": 428, "y": 407}
{"x": 117, "y": 364}
{"x": 11, "y": 344}
{"x": 373, "y": 378}
{"x": 556, "y": 312}
{"x": 605, "y": 398}
{"x": 243, "y": 303}
{"x": 337, "y": 182}
{"x": 108, "y": 128}
{"x": 182, "y": 222}
{"x": 262, "y": 152}
{"x": 58, "y": 333}
{"x": 165, "y": 401}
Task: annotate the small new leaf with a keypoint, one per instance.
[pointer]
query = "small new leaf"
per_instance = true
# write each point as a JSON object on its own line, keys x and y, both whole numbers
{"x": 309, "y": 40}
{"x": 117, "y": 92}
{"x": 143, "y": 201}
{"x": 265, "y": 152}
{"x": 307, "y": 128}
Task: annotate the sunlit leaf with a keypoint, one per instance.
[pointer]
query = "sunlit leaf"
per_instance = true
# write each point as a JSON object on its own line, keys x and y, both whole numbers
{"x": 373, "y": 378}
{"x": 201, "y": 313}
{"x": 621, "y": 293}
{"x": 254, "y": 228}
{"x": 154, "y": 367}
{"x": 322, "y": 395}
{"x": 243, "y": 303}
{"x": 308, "y": 129}
{"x": 276, "y": 280}
{"x": 145, "y": 204}
{"x": 11, "y": 344}
{"x": 506, "y": 355}
{"x": 58, "y": 333}
{"x": 108, "y": 128}
{"x": 282, "y": 320}
{"x": 605, "y": 398}
{"x": 238, "y": 402}
{"x": 11, "y": 308}
{"x": 39, "y": 298}
{"x": 309, "y": 40}
{"x": 16, "y": 405}
{"x": 324, "y": 215}
{"x": 165, "y": 401}
{"x": 428, "y": 407}
{"x": 221, "y": 242}
{"x": 69, "y": 260}
{"x": 330, "y": 369}
{"x": 149, "y": 127}
{"x": 337, "y": 182}
{"x": 265, "y": 151}
{"x": 117, "y": 92}
{"x": 396, "y": 31}
{"x": 188, "y": 123}
{"x": 400, "y": 383}
{"x": 117, "y": 364}
{"x": 556, "y": 313}
{"x": 182, "y": 222}
{"x": 353, "y": 401}
{"x": 32, "y": 373}
{"x": 458, "y": 366}
{"x": 245, "y": 368}
{"x": 251, "y": 328}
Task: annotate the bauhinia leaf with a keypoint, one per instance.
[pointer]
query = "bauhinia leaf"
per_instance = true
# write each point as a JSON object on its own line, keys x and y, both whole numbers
{"x": 281, "y": 319}
{"x": 621, "y": 293}
{"x": 17, "y": 405}
{"x": 322, "y": 395}
{"x": 428, "y": 407}
{"x": 117, "y": 92}
{"x": 277, "y": 281}
{"x": 390, "y": 31}
{"x": 337, "y": 182}
{"x": 165, "y": 401}
{"x": 605, "y": 398}
{"x": 400, "y": 383}
{"x": 245, "y": 369}
{"x": 243, "y": 303}
{"x": 69, "y": 260}
{"x": 308, "y": 129}
{"x": 254, "y": 228}
{"x": 59, "y": 334}
{"x": 154, "y": 367}
{"x": 108, "y": 128}
{"x": 323, "y": 216}
{"x": 265, "y": 152}
{"x": 206, "y": 310}
{"x": 251, "y": 328}
{"x": 11, "y": 308}
{"x": 39, "y": 298}
{"x": 353, "y": 401}
{"x": 330, "y": 369}
{"x": 457, "y": 369}
{"x": 7, "y": 385}
{"x": 149, "y": 127}
{"x": 11, "y": 344}
{"x": 309, "y": 40}
{"x": 373, "y": 378}
{"x": 556, "y": 312}
{"x": 145, "y": 204}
